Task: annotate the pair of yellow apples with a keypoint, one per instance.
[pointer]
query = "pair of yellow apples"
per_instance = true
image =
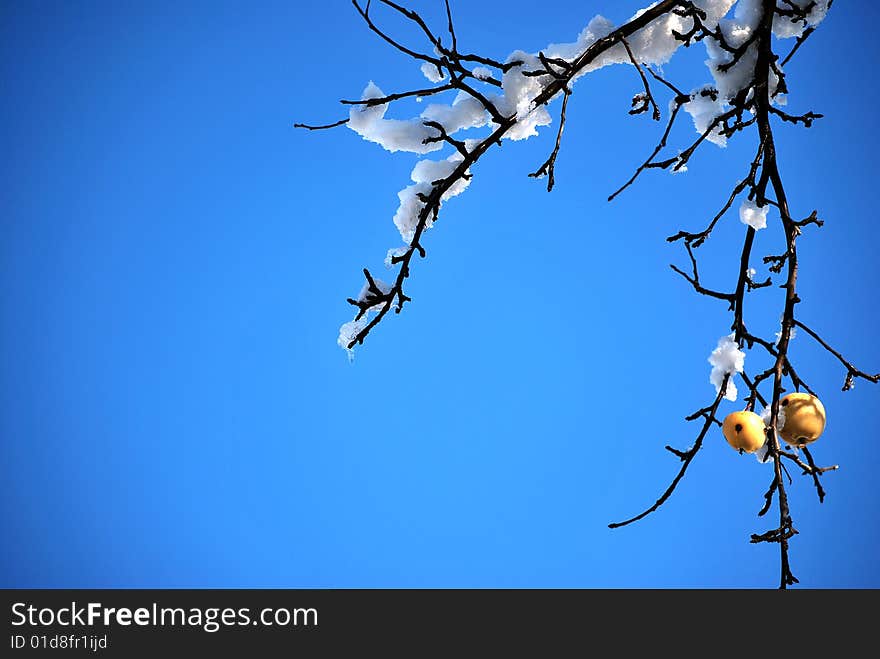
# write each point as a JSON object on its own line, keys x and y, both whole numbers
{"x": 804, "y": 423}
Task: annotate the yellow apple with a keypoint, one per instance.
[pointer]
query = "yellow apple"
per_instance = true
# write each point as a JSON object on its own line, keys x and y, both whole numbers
{"x": 804, "y": 419}
{"x": 744, "y": 431}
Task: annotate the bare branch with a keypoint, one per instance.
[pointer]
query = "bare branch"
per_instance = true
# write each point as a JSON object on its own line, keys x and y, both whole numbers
{"x": 365, "y": 14}
{"x": 648, "y": 97}
{"x": 798, "y": 44}
{"x": 382, "y": 100}
{"x": 660, "y": 146}
{"x": 697, "y": 239}
{"x": 549, "y": 166}
{"x": 686, "y": 457}
{"x": 450, "y": 27}
{"x": 851, "y": 371}
{"x": 324, "y": 127}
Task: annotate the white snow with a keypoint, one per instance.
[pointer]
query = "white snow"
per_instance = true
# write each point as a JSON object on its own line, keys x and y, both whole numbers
{"x": 735, "y": 32}
{"x": 763, "y": 453}
{"x": 748, "y": 13}
{"x": 726, "y": 358}
{"x": 431, "y": 72}
{"x": 791, "y": 335}
{"x": 482, "y": 73}
{"x": 395, "y": 252}
{"x": 391, "y": 134}
{"x": 784, "y": 27}
{"x": 780, "y": 417}
{"x": 384, "y": 287}
{"x": 424, "y": 174}
{"x": 715, "y": 10}
{"x": 753, "y": 215}
{"x": 465, "y": 112}
{"x": 519, "y": 91}
{"x": 654, "y": 44}
{"x": 352, "y": 328}
{"x": 703, "y": 111}
{"x": 348, "y": 332}
{"x": 408, "y": 135}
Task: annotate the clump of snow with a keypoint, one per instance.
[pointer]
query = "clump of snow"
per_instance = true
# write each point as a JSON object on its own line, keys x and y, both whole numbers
{"x": 791, "y": 334}
{"x": 598, "y": 27}
{"x": 726, "y": 359}
{"x": 763, "y": 453}
{"x": 432, "y": 72}
{"x": 748, "y": 13}
{"x": 785, "y": 27}
{"x": 409, "y": 135}
{"x": 753, "y": 215}
{"x": 465, "y": 112}
{"x": 730, "y": 81}
{"x": 519, "y": 92}
{"x": 424, "y": 174}
{"x": 391, "y": 134}
{"x": 406, "y": 217}
{"x": 715, "y": 10}
{"x": 428, "y": 171}
{"x": 393, "y": 253}
{"x": 349, "y": 331}
{"x": 481, "y": 73}
{"x": 704, "y": 107}
{"x": 780, "y": 417}
{"x": 653, "y": 44}
{"x": 347, "y": 334}
{"x": 367, "y": 293}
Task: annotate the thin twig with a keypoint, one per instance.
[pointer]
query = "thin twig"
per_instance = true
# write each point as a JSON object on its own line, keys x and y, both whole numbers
{"x": 549, "y": 166}
{"x": 324, "y": 127}
{"x": 851, "y": 371}
{"x": 686, "y": 456}
{"x": 648, "y": 96}
{"x": 798, "y": 44}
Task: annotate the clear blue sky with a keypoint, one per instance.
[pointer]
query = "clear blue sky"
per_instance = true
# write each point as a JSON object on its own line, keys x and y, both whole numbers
{"x": 174, "y": 409}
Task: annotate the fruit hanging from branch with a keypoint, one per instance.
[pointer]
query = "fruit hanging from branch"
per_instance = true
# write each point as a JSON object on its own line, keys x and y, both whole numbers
{"x": 804, "y": 419}
{"x": 744, "y": 431}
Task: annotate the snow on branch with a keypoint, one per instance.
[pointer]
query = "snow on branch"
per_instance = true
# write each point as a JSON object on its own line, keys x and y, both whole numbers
{"x": 745, "y": 90}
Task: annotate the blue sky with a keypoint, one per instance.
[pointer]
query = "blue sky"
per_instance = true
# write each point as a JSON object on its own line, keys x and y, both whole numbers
{"x": 174, "y": 410}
